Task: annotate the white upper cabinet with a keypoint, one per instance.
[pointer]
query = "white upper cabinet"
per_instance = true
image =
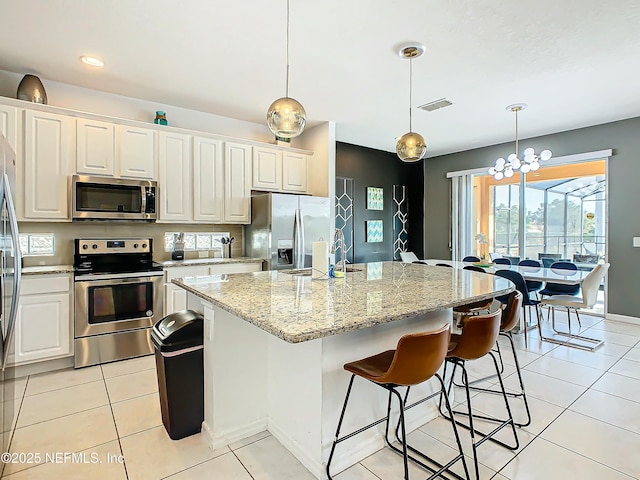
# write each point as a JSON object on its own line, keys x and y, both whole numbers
{"x": 208, "y": 180}
{"x": 95, "y": 142}
{"x": 175, "y": 177}
{"x": 135, "y": 152}
{"x": 294, "y": 172}
{"x": 9, "y": 124}
{"x": 237, "y": 183}
{"x": 49, "y": 156}
{"x": 267, "y": 169}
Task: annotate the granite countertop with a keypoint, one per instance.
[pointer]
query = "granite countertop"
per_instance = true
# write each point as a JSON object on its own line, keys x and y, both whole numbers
{"x": 47, "y": 269}
{"x": 297, "y": 308}
{"x": 208, "y": 261}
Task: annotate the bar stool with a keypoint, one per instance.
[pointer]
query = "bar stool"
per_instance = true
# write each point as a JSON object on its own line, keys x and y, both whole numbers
{"x": 416, "y": 359}
{"x": 510, "y": 318}
{"x": 479, "y": 335}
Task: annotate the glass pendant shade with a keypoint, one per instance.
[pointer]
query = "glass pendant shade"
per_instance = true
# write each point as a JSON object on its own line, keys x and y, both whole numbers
{"x": 286, "y": 117}
{"x": 411, "y": 147}
{"x": 530, "y": 162}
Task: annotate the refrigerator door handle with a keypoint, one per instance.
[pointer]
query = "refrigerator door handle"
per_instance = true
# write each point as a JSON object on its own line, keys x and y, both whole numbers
{"x": 297, "y": 241}
{"x": 302, "y": 237}
{"x": 17, "y": 268}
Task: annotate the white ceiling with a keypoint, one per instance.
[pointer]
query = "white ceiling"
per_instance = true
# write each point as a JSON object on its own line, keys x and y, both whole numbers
{"x": 575, "y": 62}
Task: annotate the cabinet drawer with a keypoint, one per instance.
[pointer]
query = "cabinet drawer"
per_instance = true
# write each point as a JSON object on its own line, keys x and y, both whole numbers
{"x": 36, "y": 285}
{"x": 181, "y": 272}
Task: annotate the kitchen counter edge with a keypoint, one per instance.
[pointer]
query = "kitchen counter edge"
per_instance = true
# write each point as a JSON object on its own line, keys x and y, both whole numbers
{"x": 208, "y": 261}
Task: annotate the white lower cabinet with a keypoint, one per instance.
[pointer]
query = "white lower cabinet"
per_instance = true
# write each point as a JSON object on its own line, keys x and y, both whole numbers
{"x": 175, "y": 298}
{"x": 43, "y": 330}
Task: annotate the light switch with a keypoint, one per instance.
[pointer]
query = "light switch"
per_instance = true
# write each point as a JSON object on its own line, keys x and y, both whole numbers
{"x": 636, "y": 241}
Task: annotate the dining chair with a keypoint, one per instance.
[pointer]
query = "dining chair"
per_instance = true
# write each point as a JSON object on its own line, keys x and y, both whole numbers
{"x": 527, "y": 301}
{"x": 474, "y": 268}
{"x": 502, "y": 261}
{"x": 532, "y": 285}
{"x": 471, "y": 258}
{"x": 408, "y": 257}
{"x": 589, "y": 288}
{"x": 444, "y": 265}
{"x": 552, "y": 289}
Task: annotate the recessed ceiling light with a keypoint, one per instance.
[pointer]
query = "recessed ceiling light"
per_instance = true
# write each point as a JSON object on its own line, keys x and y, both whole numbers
{"x": 92, "y": 61}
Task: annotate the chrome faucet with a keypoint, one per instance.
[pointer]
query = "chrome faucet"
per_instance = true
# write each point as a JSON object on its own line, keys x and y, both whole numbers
{"x": 338, "y": 242}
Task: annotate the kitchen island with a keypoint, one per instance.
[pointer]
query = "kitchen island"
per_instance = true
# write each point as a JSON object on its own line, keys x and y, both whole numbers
{"x": 275, "y": 344}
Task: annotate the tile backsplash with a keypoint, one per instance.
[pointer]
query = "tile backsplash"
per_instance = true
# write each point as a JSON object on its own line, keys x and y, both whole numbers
{"x": 65, "y": 233}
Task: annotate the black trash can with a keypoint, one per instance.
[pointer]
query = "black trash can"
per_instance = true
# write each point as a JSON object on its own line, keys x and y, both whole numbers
{"x": 178, "y": 340}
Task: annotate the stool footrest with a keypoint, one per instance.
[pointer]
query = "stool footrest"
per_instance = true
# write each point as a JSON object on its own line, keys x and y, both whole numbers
{"x": 436, "y": 473}
{"x": 486, "y": 436}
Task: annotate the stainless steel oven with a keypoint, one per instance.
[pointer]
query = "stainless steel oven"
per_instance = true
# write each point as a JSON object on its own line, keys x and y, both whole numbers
{"x": 118, "y": 298}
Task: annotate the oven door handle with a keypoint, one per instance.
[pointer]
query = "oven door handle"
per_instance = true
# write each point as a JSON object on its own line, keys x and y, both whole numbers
{"x": 118, "y": 276}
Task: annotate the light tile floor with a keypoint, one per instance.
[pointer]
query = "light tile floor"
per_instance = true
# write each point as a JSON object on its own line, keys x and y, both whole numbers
{"x": 585, "y": 408}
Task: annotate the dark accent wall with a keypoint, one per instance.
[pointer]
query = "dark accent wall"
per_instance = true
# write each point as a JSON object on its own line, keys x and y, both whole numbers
{"x": 623, "y": 205}
{"x": 376, "y": 168}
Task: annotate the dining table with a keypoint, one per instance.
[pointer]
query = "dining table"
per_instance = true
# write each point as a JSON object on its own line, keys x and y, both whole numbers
{"x": 540, "y": 274}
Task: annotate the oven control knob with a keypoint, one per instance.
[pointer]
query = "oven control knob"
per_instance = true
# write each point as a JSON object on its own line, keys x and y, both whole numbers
{"x": 144, "y": 245}
{"x": 94, "y": 246}
{"x": 135, "y": 245}
{"x": 85, "y": 246}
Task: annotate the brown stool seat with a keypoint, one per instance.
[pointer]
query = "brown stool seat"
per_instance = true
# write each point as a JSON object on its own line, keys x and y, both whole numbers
{"x": 416, "y": 359}
{"x": 478, "y": 337}
{"x": 373, "y": 367}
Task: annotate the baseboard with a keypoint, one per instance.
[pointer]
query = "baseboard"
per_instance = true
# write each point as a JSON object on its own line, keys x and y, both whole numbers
{"x": 228, "y": 437}
{"x": 43, "y": 367}
{"x": 342, "y": 460}
{"x": 623, "y": 318}
{"x": 345, "y": 457}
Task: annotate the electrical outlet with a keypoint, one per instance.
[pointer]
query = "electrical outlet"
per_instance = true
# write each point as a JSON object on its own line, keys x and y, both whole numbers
{"x": 636, "y": 241}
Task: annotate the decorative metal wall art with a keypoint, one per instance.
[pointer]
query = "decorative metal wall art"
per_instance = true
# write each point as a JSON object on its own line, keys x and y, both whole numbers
{"x": 344, "y": 214}
{"x": 400, "y": 220}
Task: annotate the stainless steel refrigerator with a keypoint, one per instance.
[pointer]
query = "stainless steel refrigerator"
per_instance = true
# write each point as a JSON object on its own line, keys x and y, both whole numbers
{"x": 11, "y": 273}
{"x": 283, "y": 228}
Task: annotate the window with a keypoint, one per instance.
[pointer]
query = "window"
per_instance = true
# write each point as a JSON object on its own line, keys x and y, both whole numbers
{"x": 196, "y": 241}
{"x": 37, "y": 244}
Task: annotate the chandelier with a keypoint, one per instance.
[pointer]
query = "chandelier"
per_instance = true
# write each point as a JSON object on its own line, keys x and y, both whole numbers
{"x": 286, "y": 117}
{"x": 531, "y": 161}
{"x": 411, "y": 147}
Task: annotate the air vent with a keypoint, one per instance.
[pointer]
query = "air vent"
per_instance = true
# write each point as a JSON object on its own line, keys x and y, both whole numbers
{"x": 435, "y": 105}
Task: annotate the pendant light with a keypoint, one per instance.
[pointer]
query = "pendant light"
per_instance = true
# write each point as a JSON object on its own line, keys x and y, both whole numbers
{"x": 411, "y": 146}
{"x": 286, "y": 116}
{"x": 531, "y": 161}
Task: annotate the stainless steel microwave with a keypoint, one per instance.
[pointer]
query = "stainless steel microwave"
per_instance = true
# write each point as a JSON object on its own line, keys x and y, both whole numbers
{"x": 102, "y": 198}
